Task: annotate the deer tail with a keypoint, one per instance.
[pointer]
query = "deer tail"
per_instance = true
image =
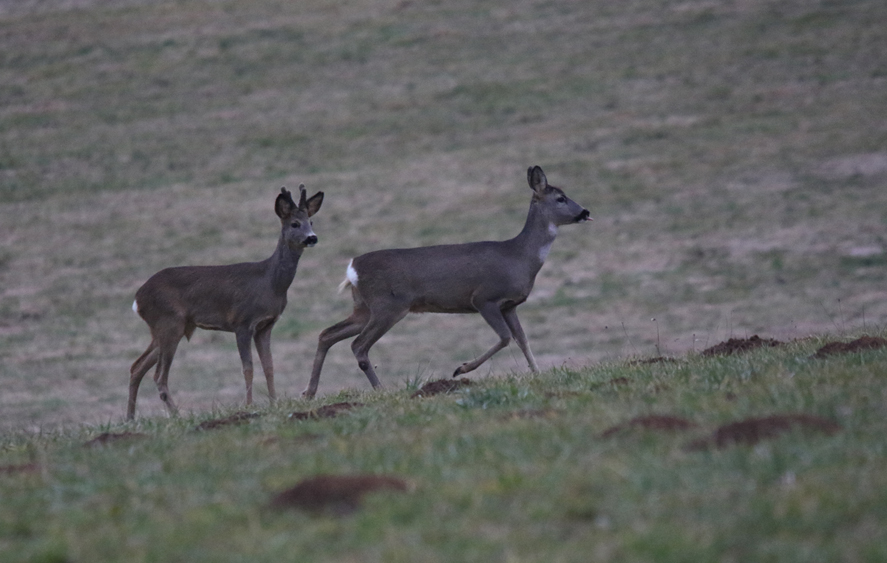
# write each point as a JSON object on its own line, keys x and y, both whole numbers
{"x": 350, "y": 277}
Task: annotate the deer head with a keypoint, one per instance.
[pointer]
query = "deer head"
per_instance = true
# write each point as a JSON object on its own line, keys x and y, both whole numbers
{"x": 295, "y": 219}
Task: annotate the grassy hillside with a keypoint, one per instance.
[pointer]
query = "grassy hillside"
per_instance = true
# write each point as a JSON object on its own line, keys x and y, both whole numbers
{"x": 554, "y": 467}
{"x": 734, "y": 157}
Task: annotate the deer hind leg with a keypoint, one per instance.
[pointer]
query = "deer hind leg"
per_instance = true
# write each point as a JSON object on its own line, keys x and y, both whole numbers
{"x": 381, "y": 320}
{"x": 263, "y": 347}
{"x": 244, "y": 341}
{"x": 161, "y": 375}
{"x": 518, "y": 333}
{"x": 138, "y": 370}
{"x": 493, "y": 315}
{"x": 167, "y": 338}
{"x": 352, "y": 326}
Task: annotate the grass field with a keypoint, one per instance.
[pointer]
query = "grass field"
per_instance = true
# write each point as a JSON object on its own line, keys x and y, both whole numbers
{"x": 518, "y": 468}
{"x": 734, "y": 158}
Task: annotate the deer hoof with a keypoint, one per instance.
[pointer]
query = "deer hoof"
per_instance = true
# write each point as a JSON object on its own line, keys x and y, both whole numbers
{"x": 459, "y": 371}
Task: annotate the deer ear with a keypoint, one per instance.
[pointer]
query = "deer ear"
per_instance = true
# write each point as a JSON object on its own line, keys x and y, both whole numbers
{"x": 313, "y": 203}
{"x": 537, "y": 180}
{"x": 284, "y": 205}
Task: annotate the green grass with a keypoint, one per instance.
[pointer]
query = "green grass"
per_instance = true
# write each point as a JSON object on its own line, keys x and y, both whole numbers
{"x": 487, "y": 485}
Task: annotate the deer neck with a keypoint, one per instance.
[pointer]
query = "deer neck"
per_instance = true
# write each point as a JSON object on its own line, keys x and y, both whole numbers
{"x": 537, "y": 236}
{"x": 282, "y": 266}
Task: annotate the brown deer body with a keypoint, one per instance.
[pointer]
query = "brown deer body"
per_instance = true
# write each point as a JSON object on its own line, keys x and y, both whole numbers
{"x": 246, "y": 299}
{"x": 490, "y": 278}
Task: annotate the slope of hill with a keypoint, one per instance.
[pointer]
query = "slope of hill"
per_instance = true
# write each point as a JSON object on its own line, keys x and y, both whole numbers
{"x": 733, "y": 156}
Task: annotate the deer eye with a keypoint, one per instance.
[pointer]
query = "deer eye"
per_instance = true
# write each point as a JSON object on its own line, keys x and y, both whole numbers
{"x": 296, "y": 224}
{"x": 561, "y": 199}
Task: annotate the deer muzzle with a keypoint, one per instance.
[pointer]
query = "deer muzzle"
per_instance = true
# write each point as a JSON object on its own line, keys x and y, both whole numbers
{"x": 583, "y": 216}
{"x": 310, "y": 240}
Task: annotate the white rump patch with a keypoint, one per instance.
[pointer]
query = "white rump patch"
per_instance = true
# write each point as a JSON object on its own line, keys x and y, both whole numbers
{"x": 351, "y": 273}
{"x": 350, "y": 277}
{"x": 135, "y": 307}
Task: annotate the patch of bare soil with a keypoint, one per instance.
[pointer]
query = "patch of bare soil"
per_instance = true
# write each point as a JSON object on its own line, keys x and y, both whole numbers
{"x": 860, "y": 344}
{"x": 651, "y": 422}
{"x": 109, "y": 437}
{"x": 239, "y": 417}
{"x": 441, "y": 386}
{"x": 752, "y": 430}
{"x": 739, "y": 345}
{"x": 338, "y": 494}
{"x": 19, "y": 468}
{"x": 656, "y": 360}
{"x": 326, "y": 411}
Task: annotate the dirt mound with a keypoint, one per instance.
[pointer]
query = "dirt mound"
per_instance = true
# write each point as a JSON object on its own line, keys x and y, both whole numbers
{"x": 109, "y": 437}
{"x": 651, "y": 422}
{"x": 339, "y": 494}
{"x": 326, "y": 411}
{"x": 441, "y": 386}
{"x": 863, "y": 343}
{"x": 739, "y": 345}
{"x": 237, "y": 418}
{"x": 20, "y": 468}
{"x": 752, "y": 430}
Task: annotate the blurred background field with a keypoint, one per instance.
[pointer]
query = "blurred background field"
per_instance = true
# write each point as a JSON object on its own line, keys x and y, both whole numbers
{"x": 733, "y": 155}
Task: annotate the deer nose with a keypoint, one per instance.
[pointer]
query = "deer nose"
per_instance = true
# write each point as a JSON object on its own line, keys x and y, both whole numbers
{"x": 311, "y": 240}
{"x": 584, "y": 216}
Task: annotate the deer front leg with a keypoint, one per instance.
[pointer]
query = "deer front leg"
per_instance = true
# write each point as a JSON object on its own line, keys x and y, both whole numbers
{"x": 493, "y": 315}
{"x": 518, "y": 333}
{"x": 244, "y": 340}
{"x": 263, "y": 347}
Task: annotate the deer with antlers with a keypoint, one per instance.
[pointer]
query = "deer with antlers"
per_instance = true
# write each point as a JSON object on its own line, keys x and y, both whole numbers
{"x": 246, "y": 299}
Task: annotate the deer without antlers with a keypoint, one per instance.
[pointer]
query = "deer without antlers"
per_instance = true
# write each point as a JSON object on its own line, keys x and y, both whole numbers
{"x": 490, "y": 278}
{"x": 246, "y": 299}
